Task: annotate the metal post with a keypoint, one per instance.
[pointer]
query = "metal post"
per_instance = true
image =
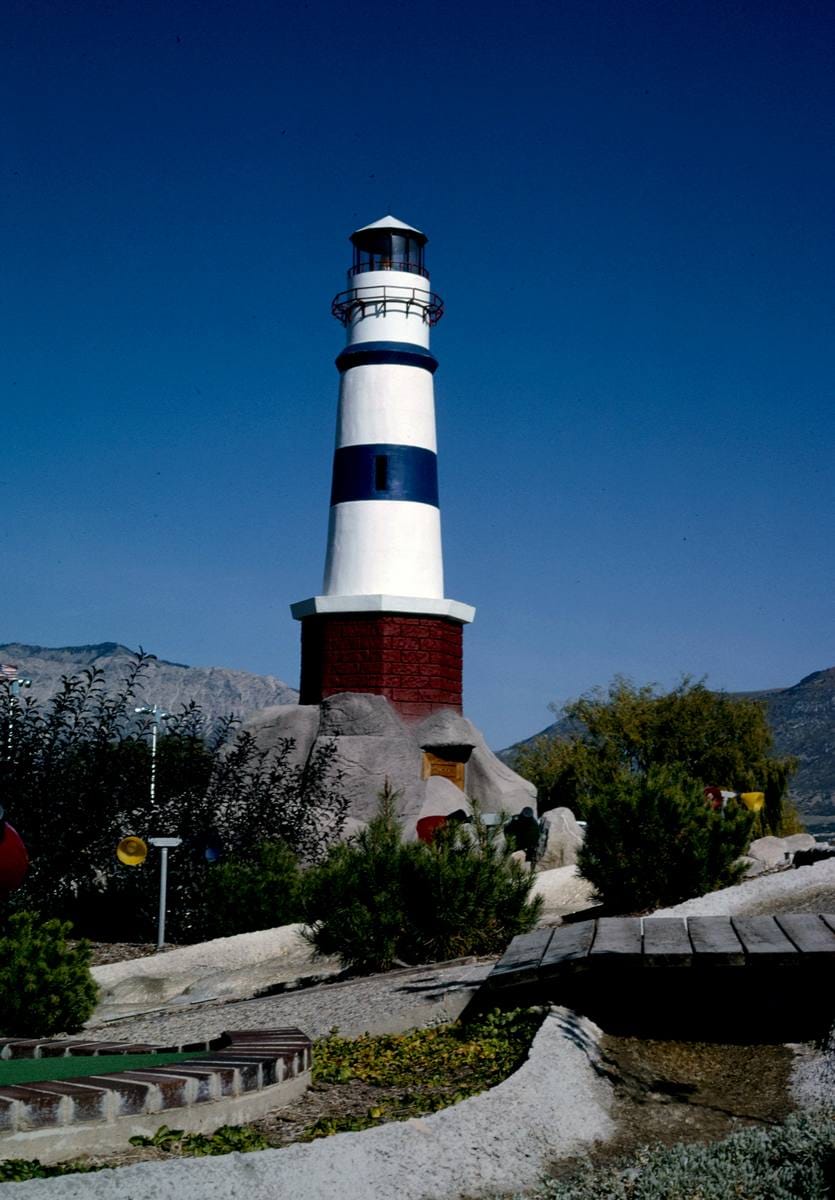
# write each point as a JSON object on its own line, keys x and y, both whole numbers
{"x": 163, "y": 889}
{"x": 18, "y": 682}
{"x": 157, "y": 715}
{"x": 163, "y": 844}
{"x": 154, "y": 728}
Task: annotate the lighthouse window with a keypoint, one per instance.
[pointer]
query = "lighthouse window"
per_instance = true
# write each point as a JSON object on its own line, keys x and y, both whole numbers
{"x": 381, "y": 472}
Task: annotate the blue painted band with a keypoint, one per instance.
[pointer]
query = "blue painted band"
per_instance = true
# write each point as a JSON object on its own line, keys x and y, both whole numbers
{"x": 385, "y": 472}
{"x": 404, "y": 354}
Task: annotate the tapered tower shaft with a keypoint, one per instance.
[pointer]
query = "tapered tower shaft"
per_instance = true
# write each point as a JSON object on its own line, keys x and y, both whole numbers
{"x": 382, "y": 623}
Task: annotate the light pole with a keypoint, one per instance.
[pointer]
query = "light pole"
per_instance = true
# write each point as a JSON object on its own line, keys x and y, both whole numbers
{"x": 16, "y": 683}
{"x": 163, "y": 845}
{"x": 157, "y": 715}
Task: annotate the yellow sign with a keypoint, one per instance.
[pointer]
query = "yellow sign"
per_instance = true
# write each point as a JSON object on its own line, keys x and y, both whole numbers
{"x": 753, "y": 800}
{"x": 131, "y": 851}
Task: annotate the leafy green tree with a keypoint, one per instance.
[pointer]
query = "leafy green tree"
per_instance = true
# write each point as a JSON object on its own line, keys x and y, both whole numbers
{"x": 652, "y": 841}
{"x": 75, "y": 775}
{"x": 377, "y": 901}
{"x": 715, "y": 738}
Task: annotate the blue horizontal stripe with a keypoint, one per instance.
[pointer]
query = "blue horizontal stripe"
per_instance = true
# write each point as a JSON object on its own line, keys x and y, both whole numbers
{"x": 404, "y": 354}
{"x": 385, "y": 472}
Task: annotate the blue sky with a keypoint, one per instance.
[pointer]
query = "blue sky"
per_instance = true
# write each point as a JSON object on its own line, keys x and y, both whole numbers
{"x": 630, "y": 213}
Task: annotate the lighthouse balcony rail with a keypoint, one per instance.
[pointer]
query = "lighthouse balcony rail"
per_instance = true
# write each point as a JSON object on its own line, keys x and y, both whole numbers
{"x": 379, "y": 263}
{"x": 377, "y": 300}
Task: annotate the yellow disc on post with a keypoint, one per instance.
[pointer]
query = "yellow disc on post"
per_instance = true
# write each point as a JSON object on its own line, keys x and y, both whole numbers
{"x": 753, "y": 800}
{"x": 131, "y": 851}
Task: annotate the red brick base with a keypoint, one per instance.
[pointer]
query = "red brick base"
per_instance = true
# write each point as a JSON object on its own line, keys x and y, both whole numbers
{"x": 414, "y": 661}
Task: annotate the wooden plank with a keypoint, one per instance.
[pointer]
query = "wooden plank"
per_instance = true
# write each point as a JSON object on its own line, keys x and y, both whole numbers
{"x": 617, "y": 937}
{"x": 520, "y": 961}
{"x": 570, "y": 944}
{"x": 666, "y": 942}
{"x": 764, "y": 941}
{"x": 714, "y": 942}
{"x": 809, "y": 933}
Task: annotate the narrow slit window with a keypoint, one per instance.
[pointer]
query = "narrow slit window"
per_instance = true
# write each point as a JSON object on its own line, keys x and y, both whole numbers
{"x": 381, "y": 472}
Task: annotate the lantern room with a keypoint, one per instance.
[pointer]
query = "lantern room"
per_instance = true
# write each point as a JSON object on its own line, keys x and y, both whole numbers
{"x": 389, "y": 245}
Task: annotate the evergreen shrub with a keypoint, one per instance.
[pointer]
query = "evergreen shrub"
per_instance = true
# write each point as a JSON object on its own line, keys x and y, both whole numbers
{"x": 652, "y": 840}
{"x": 378, "y": 901}
{"x": 260, "y": 891}
{"x": 45, "y": 984}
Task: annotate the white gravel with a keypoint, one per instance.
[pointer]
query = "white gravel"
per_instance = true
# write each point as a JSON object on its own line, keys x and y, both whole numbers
{"x": 387, "y": 1003}
{"x": 806, "y": 889}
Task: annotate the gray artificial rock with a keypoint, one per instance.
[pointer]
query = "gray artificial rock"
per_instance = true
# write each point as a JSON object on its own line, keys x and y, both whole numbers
{"x": 800, "y": 841}
{"x": 297, "y": 721}
{"x": 773, "y": 851}
{"x": 563, "y": 838}
{"x": 752, "y": 866}
{"x": 441, "y": 797}
{"x": 374, "y": 745}
{"x": 446, "y": 729}
{"x": 368, "y": 762}
{"x": 359, "y": 714}
{"x": 492, "y": 784}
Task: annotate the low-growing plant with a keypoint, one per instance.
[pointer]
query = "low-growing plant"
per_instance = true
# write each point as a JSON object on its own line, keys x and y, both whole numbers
{"x": 794, "y": 1161}
{"x": 378, "y": 901}
{"x": 45, "y": 983}
{"x": 242, "y": 1139}
{"x": 475, "y": 1054}
{"x": 18, "y": 1170}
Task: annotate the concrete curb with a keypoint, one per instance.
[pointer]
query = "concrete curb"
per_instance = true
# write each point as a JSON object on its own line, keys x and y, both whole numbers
{"x": 245, "y": 1076}
{"x": 554, "y": 1106}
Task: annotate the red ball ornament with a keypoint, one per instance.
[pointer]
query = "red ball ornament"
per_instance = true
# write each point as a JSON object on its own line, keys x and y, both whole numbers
{"x": 14, "y": 860}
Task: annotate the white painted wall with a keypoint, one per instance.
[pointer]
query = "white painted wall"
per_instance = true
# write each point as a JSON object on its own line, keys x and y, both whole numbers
{"x": 386, "y": 402}
{"x": 389, "y": 322}
{"x": 384, "y": 546}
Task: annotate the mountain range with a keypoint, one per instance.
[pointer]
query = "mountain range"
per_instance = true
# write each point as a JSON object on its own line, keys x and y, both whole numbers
{"x": 217, "y": 690}
{"x": 802, "y": 717}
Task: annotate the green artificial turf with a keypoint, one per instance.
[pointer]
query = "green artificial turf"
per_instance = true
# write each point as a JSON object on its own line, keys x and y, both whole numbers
{"x": 31, "y": 1070}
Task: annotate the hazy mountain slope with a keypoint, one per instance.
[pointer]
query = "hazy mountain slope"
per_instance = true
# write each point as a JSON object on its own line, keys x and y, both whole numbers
{"x": 217, "y": 690}
{"x": 802, "y": 719}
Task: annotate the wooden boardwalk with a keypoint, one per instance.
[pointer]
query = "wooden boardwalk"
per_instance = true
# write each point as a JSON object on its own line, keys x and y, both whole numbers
{"x": 798, "y": 940}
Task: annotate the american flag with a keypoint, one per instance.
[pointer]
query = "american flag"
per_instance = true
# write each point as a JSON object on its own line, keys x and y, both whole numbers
{"x": 8, "y": 671}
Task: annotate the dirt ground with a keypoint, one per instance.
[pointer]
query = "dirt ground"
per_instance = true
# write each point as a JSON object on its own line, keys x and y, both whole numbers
{"x": 669, "y": 1092}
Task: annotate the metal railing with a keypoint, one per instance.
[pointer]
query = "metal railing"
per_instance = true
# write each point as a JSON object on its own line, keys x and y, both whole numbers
{"x": 390, "y": 264}
{"x": 382, "y": 299}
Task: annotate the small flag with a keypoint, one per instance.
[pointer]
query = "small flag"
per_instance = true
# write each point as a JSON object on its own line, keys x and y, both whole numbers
{"x": 8, "y": 671}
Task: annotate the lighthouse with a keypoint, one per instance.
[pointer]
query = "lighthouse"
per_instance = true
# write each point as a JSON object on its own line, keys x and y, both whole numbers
{"x": 382, "y": 623}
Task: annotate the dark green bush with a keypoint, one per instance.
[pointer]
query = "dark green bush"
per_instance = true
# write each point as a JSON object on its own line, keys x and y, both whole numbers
{"x": 651, "y": 840}
{"x": 795, "y": 1161}
{"x": 45, "y": 984}
{"x": 257, "y": 892}
{"x": 377, "y": 901}
{"x": 78, "y": 767}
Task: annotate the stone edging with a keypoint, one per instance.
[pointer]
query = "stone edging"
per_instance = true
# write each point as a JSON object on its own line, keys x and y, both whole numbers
{"x": 245, "y": 1063}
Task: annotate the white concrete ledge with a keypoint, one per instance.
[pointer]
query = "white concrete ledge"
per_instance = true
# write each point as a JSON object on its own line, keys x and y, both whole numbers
{"x": 59, "y": 1143}
{"x": 414, "y": 605}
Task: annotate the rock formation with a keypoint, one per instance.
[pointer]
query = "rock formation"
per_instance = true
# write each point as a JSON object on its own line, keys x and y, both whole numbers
{"x": 434, "y": 765}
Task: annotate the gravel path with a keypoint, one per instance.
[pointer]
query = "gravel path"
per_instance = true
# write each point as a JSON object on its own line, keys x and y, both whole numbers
{"x": 387, "y": 1003}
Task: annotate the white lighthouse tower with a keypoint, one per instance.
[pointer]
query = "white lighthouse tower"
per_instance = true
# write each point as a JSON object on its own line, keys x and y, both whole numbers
{"x": 382, "y": 623}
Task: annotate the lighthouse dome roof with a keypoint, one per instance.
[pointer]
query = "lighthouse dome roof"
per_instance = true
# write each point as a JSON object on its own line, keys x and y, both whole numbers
{"x": 391, "y": 224}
